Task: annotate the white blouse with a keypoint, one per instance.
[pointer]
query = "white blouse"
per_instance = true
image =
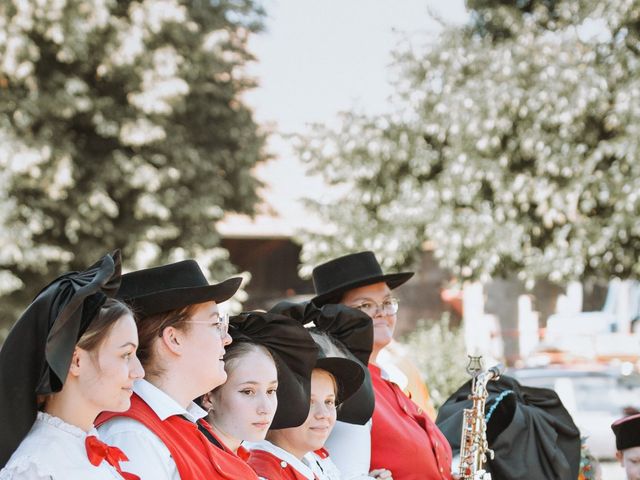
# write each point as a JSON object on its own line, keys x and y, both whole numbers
{"x": 55, "y": 450}
{"x": 323, "y": 468}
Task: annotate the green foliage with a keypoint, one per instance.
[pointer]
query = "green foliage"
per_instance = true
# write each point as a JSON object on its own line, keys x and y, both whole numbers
{"x": 440, "y": 355}
{"x": 513, "y": 148}
{"x": 121, "y": 125}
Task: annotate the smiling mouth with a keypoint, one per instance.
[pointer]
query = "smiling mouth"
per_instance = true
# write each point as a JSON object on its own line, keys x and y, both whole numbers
{"x": 319, "y": 429}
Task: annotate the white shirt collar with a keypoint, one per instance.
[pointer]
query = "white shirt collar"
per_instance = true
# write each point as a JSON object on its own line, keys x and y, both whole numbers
{"x": 163, "y": 405}
{"x": 267, "y": 446}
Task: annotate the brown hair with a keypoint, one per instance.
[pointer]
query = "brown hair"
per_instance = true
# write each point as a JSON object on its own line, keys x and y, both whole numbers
{"x": 233, "y": 353}
{"x": 103, "y": 322}
{"x": 152, "y": 327}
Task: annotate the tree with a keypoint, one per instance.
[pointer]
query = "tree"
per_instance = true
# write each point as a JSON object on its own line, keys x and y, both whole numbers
{"x": 512, "y": 147}
{"x": 121, "y": 125}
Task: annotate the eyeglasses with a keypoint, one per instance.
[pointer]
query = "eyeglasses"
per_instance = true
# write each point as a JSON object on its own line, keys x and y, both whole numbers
{"x": 221, "y": 322}
{"x": 388, "y": 307}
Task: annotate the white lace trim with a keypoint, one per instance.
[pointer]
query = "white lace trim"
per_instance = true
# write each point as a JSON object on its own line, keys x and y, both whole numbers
{"x": 20, "y": 466}
{"x": 62, "y": 425}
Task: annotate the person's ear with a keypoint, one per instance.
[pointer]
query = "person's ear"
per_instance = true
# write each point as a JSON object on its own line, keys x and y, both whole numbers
{"x": 619, "y": 456}
{"x": 172, "y": 340}
{"x": 207, "y": 401}
{"x": 76, "y": 360}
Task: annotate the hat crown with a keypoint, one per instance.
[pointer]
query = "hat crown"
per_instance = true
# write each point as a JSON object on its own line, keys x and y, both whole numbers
{"x": 183, "y": 274}
{"x": 352, "y": 268}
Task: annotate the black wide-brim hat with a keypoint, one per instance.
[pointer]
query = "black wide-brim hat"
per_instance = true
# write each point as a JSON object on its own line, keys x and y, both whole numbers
{"x": 171, "y": 287}
{"x": 627, "y": 432}
{"x": 332, "y": 279}
{"x": 348, "y": 374}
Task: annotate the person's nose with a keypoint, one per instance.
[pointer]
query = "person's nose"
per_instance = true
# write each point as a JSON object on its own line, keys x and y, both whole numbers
{"x": 265, "y": 405}
{"x": 226, "y": 340}
{"x": 137, "y": 370}
{"x": 321, "y": 410}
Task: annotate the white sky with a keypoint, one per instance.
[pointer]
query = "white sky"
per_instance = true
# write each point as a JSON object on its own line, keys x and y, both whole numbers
{"x": 315, "y": 59}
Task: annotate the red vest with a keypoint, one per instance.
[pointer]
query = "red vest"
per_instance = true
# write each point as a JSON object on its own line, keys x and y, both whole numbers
{"x": 268, "y": 466}
{"x": 196, "y": 458}
{"x": 403, "y": 437}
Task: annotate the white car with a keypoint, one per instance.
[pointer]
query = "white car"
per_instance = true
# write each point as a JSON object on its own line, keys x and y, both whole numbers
{"x": 594, "y": 397}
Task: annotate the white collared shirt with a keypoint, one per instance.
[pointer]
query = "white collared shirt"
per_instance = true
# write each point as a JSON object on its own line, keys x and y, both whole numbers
{"x": 324, "y": 468}
{"x": 149, "y": 458}
{"x": 54, "y": 449}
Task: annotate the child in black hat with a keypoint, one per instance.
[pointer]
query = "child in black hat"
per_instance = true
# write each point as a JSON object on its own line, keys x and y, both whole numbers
{"x": 627, "y": 432}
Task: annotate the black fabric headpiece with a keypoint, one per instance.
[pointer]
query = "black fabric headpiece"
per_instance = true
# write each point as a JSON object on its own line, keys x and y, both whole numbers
{"x": 530, "y": 431}
{"x": 627, "y": 432}
{"x": 170, "y": 287}
{"x": 294, "y": 352}
{"x": 335, "y": 277}
{"x": 36, "y": 355}
{"x": 352, "y": 329}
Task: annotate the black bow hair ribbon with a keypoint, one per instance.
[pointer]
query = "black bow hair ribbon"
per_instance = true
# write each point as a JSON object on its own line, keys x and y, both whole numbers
{"x": 354, "y": 330}
{"x": 294, "y": 353}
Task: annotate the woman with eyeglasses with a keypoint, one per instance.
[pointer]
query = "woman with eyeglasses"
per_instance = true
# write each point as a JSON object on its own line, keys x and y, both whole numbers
{"x": 417, "y": 449}
{"x": 268, "y": 369}
{"x": 182, "y": 343}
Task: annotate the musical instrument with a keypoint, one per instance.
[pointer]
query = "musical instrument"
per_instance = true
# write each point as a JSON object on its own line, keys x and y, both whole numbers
{"x": 473, "y": 444}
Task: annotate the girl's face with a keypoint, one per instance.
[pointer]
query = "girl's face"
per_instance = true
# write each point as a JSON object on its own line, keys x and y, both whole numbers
{"x": 243, "y": 408}
{"x": 105, "y": 376}
{"x": 313, "y": 433}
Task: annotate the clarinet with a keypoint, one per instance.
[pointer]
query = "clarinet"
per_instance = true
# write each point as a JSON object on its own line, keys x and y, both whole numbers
{"x": 473, "y": 444}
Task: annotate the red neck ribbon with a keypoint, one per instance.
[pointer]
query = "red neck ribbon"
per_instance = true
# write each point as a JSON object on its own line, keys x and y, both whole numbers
{"x": 97, "y": 451}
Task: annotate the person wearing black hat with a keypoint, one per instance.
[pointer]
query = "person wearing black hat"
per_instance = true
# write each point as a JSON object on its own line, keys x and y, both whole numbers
{"x": 268, "y": 369}
{"x": 182, "y": 341}
{"x": 418, "y": 450}
{"x": 297, "y": 453}
{"x": 345, "y": 333}
{"x": 627, "y": 432}
{"x": 70, "y": 355}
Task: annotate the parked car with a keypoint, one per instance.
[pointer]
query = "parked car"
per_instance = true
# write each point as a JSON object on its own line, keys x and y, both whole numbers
{"x": 594, "y": 396}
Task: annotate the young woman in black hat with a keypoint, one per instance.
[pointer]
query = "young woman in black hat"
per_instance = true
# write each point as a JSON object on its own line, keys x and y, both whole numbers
{"x": 299, "y": 452}
{"x": 268, "y": 364}
{"x": 71, "y": 355}
{"x": 182, "y": 342}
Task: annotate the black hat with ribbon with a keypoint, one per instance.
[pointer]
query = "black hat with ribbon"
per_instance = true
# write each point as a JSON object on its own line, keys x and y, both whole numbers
{"x": 36, "y": 356}
{"x": 294, "y": 353}
{"x": 352, "y": 331}
{"x": 170, "y": 287}
{"x": 335, "y": 277}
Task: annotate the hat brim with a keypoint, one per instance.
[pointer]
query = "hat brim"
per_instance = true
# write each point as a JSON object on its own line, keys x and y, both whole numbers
{"x": 175, "y": 298}
{"x": 349, "y": 375}
{"x": 393, "y": 280}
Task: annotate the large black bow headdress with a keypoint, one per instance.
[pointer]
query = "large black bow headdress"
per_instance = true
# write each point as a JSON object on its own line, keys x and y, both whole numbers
{"x": 294, "y": 352}
{"x": 36, "y": 355}
{"x": 352, "y": 329}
